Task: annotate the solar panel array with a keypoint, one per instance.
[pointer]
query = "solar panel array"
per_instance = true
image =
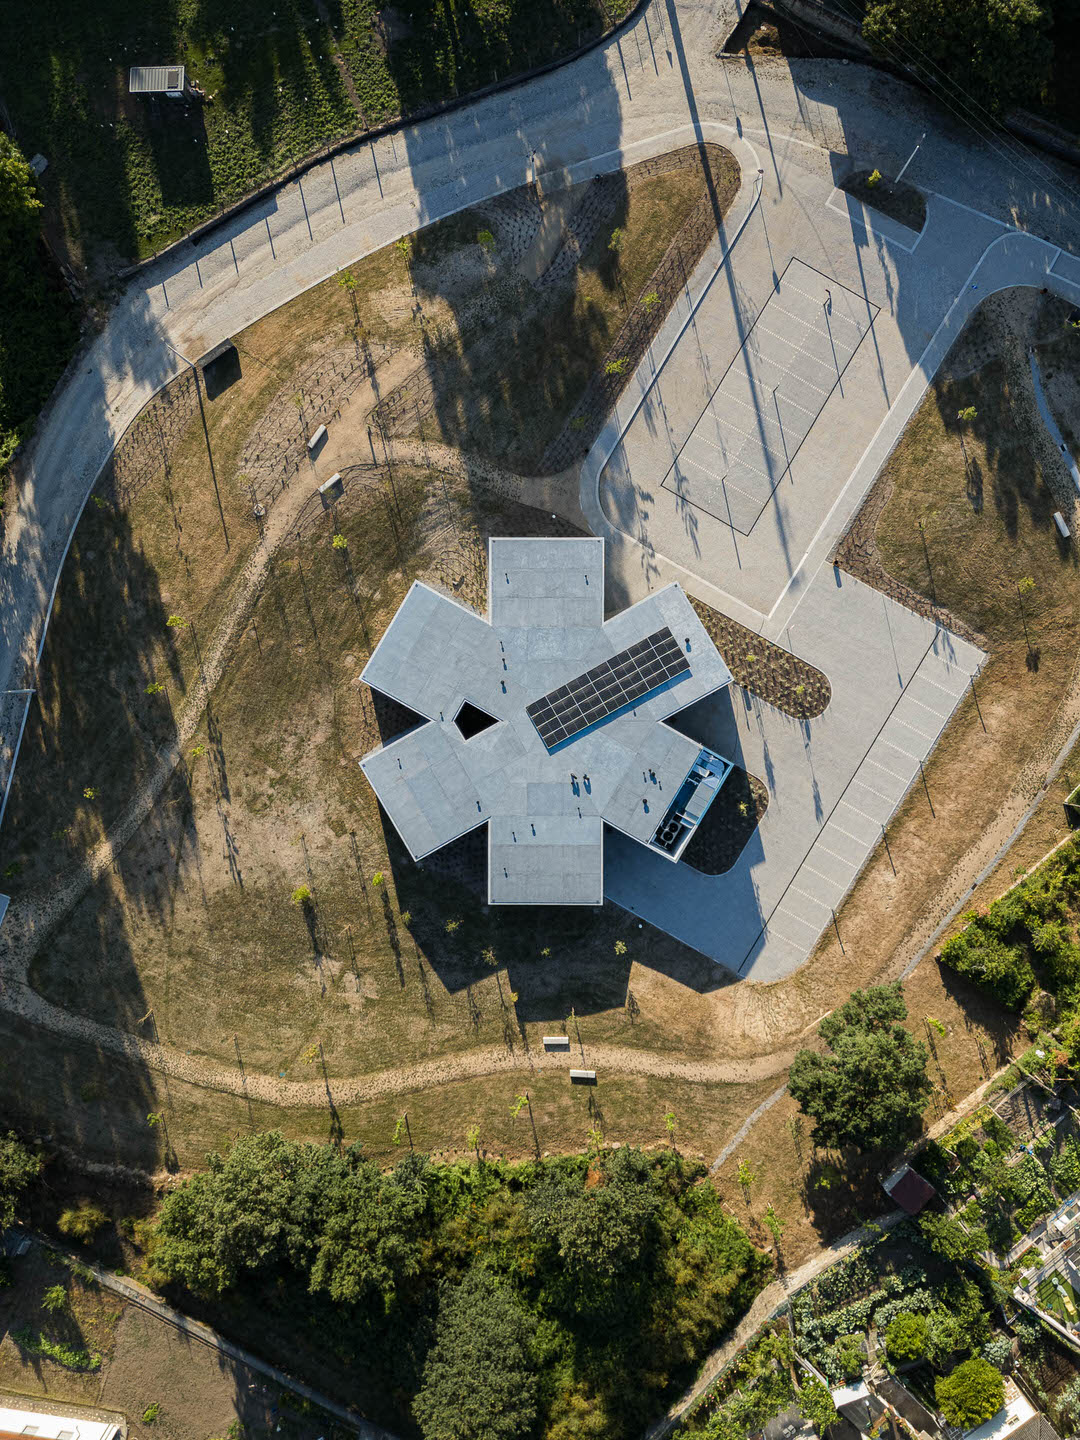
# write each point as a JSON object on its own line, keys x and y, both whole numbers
{"x": 626, "y": 679}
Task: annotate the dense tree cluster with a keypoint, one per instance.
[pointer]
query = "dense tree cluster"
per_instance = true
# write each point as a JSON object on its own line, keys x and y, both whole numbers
{"x": 37, "y": 322}
{"x": 571, "y": 1291}
{"x": 996, "y": 53}
{"x": 869, "y": 1089}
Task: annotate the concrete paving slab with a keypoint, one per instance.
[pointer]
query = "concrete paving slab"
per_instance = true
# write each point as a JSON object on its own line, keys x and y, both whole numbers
{"x": 752, "y": 428}
{"x": 833, "y": 782}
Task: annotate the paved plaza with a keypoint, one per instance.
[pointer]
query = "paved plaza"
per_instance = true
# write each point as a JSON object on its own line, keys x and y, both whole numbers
{"x": 757, "y": 418}
{"x": 833, "y": 781}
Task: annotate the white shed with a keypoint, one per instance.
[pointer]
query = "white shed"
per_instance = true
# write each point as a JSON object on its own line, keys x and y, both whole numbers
{"x": 157, "y": 80}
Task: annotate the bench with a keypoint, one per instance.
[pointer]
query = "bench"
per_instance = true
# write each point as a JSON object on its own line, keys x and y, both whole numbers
{"x": 582, "y": 1077}
{"x": 556, "y": 1042}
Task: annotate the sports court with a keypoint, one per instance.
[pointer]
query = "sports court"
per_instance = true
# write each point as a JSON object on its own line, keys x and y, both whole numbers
{"x": 793, "y": 358}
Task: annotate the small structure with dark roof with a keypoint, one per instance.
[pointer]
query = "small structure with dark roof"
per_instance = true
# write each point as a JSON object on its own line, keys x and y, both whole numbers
{"x": 907, "y": 1188}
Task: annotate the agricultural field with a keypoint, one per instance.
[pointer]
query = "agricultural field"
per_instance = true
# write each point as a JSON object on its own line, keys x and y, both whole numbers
{"x": 127, "y": 174}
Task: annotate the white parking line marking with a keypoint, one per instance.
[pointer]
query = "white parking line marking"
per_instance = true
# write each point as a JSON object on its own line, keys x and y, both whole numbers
{"x": 871, "y": 761}
{"x": 793, "y": 915}
{"x": 858, "y": 780}
{"x": 852, "y": 806}
{"x": 898, "y": 750}
{"x": 813, "y": 898}
{"x": 819, "y": 844}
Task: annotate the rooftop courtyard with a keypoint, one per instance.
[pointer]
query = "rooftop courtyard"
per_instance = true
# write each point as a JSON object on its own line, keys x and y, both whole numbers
{"x": 544, "y": 721}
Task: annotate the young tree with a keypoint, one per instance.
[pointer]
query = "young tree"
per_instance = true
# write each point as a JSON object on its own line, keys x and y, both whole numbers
{"x": 971, "y": 1394}
{"x": 18, "y": 1166}
{"x": 479, "y": 1380}
{"x": 870, "y": 1088}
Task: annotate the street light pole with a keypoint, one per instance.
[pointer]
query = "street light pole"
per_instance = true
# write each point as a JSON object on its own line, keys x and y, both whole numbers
{"x": 908, "y": 161}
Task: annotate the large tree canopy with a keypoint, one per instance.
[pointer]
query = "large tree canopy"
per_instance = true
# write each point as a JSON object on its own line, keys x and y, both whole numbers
{"x": 870, "y": 1088}
{"x": 971, "y": 1394}
{"x": 479, "y": 1377}
{"x": 993, "y": 52}
{"x": 597, "y": 1229}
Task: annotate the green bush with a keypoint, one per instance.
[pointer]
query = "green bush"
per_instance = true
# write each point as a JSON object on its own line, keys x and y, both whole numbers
{"x": 908, "y": 1337}
{"x": 18, "y": 1166}
{"x": 971, "y": 1394}
{"x": 984, "y": 959}
{"x": 82, "y": 1223}
{"x": 69, "y": 1356}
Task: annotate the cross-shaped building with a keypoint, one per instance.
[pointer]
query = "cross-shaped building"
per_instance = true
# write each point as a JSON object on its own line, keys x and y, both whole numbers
{"x": 545, "y": 722}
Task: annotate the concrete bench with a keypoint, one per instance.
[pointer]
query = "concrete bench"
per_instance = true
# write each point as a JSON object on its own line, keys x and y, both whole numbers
{"x": 1059, "y": 521}
{"x": 316, "y": 439}
{"x": 556, "y": 1042}
{"x": 333, "y": 486}
{"x": 582, "y": 1077}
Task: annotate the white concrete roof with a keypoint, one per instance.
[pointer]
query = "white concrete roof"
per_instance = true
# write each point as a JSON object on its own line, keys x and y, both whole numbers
{"x": 53, "y": 1427}
{"x": 545, "y": 626}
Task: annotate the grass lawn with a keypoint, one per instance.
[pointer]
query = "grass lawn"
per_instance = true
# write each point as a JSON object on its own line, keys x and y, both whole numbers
{"x": 126, "y": 174}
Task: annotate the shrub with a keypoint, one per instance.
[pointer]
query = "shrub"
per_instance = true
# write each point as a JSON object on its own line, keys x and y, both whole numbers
{"x": 617, "y": 367}
{"x": 908, "y": 1337}
{"x": 301, "y": 897}
{"x": 998, "y": 1352}
{"x": 54, "y": 1299}
{"x": 66, "y": 1355}
{"x": 987, "y": 961}
{"x": 816, "y": 1404}
{"x": 82, "y": 1223}
{"x": 151, "y": 1413}
{"x": 971, "y": 1394}
{"x": 949, "y": 1239}
{"x": 873, "y": 179}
